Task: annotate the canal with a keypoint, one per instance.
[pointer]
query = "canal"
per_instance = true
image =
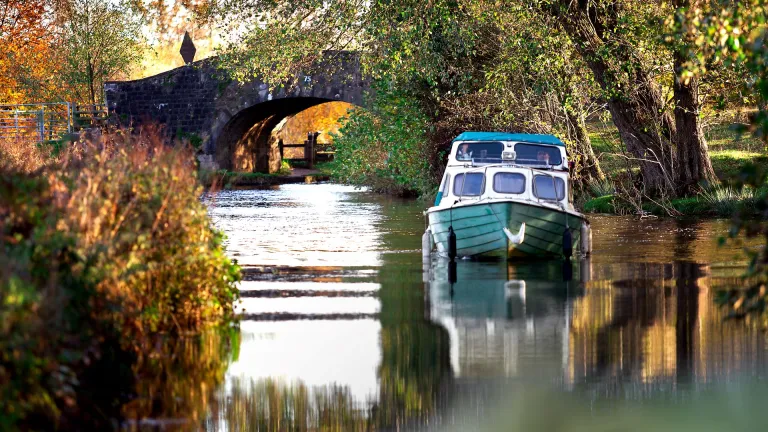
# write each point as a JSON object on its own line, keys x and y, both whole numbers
{"x": 345, "y": 329}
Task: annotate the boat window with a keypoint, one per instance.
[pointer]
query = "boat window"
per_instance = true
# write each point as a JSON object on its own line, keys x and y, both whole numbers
{"x": 534, "y": 154}
{"x": 444, "y": 189}
{"x": 545, "y": 188}
{"x": 474, "y": 187}
{"x": 488, "y": 152}
{"x": 446, "y": 182}
{"x": 507, "y": 182}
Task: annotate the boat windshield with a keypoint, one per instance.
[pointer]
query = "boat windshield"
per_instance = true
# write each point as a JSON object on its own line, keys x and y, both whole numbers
{"x": 549, "y": 187}
{"x": 475, "y": 184}
{"x": 534, "y": 154}
{"x": 481, "y": 151}
{"x": 509, "y": 183}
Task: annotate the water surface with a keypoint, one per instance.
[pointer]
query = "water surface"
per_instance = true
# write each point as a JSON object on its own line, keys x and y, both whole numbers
{"x": 346, "y": 329}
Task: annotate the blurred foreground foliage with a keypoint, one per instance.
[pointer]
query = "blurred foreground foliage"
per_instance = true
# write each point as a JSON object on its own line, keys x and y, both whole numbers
{"x": 733, "y": 34}
{"x": 103, "y": 251}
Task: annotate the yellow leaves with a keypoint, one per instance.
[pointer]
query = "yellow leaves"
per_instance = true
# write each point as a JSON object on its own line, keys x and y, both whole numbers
{"x": 25, "y": 49}
{"x": 739, "y": 303}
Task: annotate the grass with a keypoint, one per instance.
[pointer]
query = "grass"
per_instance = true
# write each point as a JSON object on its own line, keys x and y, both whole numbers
{"x": 603, "y": 204}
{"x": 729, "y": 163}
{"x": 718, "y": 201}
{"x": 730, "y": 153}
{"x": 104, "y": 249}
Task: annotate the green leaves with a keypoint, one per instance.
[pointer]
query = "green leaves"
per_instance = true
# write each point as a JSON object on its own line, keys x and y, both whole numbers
{"x": 100, "y": 40}
{"x": 386, "y": 148}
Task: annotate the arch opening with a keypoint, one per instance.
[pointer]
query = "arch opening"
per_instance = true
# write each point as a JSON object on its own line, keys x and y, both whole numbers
{"x": 249, "y": 140}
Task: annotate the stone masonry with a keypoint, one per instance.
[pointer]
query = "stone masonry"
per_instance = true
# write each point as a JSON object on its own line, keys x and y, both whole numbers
{"x": 232, "y": 120}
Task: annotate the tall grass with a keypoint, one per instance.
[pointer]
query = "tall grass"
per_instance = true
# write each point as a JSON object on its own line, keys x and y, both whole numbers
{"x": 102, "y": 250}
{"x": 727, "y": 200}
{"x": 21, "y": 155}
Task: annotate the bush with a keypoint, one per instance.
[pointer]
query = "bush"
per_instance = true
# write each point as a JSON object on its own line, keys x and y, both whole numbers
{"x": 103, "y": 250}
{"x": 386, "y": 148}
{"x": 285, "y": 168}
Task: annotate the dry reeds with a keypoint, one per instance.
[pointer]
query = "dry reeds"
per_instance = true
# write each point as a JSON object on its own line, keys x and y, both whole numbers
{"x": 21, "y": 155}
{"x": 108, "y": 243}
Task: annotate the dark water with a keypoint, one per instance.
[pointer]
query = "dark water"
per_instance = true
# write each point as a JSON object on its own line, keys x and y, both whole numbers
{"x": 346, "y": 329}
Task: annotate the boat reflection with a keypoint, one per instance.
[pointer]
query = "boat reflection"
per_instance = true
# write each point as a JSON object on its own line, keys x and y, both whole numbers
{"x": 618, "y": 330}
{"x": 505, "y": 320}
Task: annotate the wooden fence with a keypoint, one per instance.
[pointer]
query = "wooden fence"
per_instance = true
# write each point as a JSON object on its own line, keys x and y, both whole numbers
{"x": 313, "y": 151}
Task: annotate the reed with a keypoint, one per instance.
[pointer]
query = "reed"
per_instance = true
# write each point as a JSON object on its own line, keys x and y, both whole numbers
{"x": 104, "y": 249}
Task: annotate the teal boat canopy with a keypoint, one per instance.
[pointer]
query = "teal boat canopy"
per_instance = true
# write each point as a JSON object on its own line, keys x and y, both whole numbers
{"x": 509, "y": 136}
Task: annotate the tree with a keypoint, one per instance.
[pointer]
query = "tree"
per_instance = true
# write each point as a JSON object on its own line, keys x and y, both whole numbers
{"x": 537, "y": 67}
{"x": 100, "y": 40}
{"x": 734, "y": 33}
{"x": 600, "y": 33}
{"x": 25, "y": 49}
{"x": 693, "y": 163}
{"x": 502, "y": 65}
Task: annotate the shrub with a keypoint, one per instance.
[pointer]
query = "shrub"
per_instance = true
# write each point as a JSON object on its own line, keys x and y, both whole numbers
{"x": 21, "y": 155}
{"x": 386, "y": 148}
{"x": 102, "y": 251}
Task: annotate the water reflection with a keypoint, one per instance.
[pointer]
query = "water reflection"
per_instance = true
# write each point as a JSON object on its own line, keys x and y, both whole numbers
{"x": 345, "y": 330}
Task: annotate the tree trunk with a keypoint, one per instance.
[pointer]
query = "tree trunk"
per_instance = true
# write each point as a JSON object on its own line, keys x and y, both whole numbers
{"x": 588, "y": 162}
{"x": 693, "y": 163}
{"x": 634, "y": 98}
{"x": 91, "y": 88}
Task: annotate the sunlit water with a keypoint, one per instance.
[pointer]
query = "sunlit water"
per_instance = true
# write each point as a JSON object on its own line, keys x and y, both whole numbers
{"x": 346, "y": 329}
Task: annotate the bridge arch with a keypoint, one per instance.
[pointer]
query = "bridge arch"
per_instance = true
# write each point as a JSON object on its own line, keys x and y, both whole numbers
{"x": 247, "y": 142}
{"x": 233, "y": 120}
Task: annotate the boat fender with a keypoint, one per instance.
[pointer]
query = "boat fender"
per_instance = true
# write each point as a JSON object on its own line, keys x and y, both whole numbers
{"x": 451, "y": 243}
{"x": 452, "y": 273}
{"x": 567, "y": 271}
{"x": 567, "y": 244}
{"x": 586, "y": 239}
{"x": 426, "y": 244}
{"x": 518, "y": 238}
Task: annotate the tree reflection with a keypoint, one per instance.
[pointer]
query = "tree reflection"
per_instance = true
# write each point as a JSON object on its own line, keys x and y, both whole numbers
{"x": 272, "y": 405}
{"x": 176, "y": 379}
{"x": 415, "y": 371}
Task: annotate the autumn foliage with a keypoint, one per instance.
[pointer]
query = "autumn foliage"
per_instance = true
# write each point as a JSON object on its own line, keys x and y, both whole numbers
{"x": 102, "y": 251}
{"x": 26, "y": 60}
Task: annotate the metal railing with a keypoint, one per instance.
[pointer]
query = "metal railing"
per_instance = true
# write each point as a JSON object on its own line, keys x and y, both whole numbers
{"x": 48, "y": 121}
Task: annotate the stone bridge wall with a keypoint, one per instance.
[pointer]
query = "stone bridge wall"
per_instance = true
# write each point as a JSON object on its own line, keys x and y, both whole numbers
{"x": 233, "y": 120}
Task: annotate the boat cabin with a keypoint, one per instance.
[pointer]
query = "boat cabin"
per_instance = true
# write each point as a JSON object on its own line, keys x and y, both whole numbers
{"x": 482, "y": 148}
{"x": 493, "y": 165}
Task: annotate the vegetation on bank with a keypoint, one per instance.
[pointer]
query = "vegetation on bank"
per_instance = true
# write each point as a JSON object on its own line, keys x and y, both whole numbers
{"x": 546, "y": 66}
{"x": 227, "y": 179}
{"x": 104, "y": 249}
{"x": 385, "y": 147}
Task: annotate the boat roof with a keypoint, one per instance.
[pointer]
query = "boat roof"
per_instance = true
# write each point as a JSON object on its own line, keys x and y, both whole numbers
{"x": 509, "y": 136}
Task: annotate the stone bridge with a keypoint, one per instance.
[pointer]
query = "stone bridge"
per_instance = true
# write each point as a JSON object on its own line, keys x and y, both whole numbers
{"x": 234, "y": 121}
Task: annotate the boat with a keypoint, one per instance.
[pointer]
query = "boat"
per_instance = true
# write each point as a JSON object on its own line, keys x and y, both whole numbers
{"x": 506, "y": 195}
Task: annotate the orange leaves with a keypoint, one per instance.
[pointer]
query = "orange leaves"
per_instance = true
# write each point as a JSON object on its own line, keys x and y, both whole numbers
{"x": 25, "y": 49}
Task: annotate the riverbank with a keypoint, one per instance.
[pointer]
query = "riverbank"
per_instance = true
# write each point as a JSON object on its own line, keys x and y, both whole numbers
{"x": 717, "y": 202}
{"x": 107, "y": 250}
{"x": 731, "y": 153}
{"x": 228, "y": 179}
